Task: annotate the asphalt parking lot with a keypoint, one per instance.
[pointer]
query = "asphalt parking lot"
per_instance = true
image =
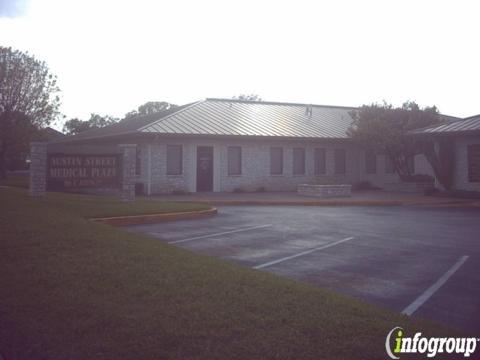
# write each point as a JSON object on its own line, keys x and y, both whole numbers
{"x": 424, "y": 262}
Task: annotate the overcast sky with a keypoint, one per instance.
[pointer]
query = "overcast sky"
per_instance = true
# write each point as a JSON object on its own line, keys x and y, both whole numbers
{"x": 111, "y": 56}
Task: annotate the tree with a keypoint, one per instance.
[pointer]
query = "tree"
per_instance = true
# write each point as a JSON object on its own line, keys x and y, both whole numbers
{"x": 387, "y": 130}
{"x": 75, "y": 125}
{"x": 28, "y": 101}
{"x": 150, "y": 107}
{"x": 440, "y": 155}
{"x": 248, "y": 97}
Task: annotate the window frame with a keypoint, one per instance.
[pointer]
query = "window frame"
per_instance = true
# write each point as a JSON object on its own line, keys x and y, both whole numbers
{"x": 169, "y": 147}
{"x": 138, "y": 161}
{"x": 388, "y": 164}
{"x": 229, "y": 159}
{"x": 340, "y": 170}
{"x": 281, "y": 160}
{"x": 317, "y": 169}
{"x": 370, "y": 162}
{"x": 302, "y": 151}
{"x": 473, "y": 153}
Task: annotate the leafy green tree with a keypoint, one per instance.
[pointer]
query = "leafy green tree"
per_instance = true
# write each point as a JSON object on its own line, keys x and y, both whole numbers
{"x": 387, "y": 130}
{"x": 150, "y": 107}
{"x": 28, "y": 101}
{"x": 248, "y": 97}
{"x": 75, "y": 125}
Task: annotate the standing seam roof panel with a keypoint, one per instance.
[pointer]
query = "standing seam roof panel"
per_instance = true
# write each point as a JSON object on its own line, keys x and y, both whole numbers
{"x": 217, "y": 117}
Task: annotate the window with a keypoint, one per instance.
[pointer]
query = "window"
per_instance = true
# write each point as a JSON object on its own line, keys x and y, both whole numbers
{"x": 370, "y": 162}
{"x": 320, "y": 163}
{"x": 234, "y": 160}
{"x": 473, "y": 160}
{"x": 276, "y": 161}
{"x": 340, "y": 161}
{"x": 174, "y": 160}
{"x": 138, "y": 161}
{"x": 389, "y": 168}
{"x": 298, "y": 161}
{"x": 411, "y": 164}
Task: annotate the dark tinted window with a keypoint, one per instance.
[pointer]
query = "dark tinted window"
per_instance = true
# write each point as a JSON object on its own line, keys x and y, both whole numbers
{"x": 473, "y": 154}
{"x": 276, "y": 161}
{"x": 370, "y": 162}
{"x": 389, "y": 168}
{"x": 174, "y": 159}
{"x": 298, "y": 161}
{"x": 320, "y": 161}
{"x": 340, "y": 161}
{"x": 234, "y": 160}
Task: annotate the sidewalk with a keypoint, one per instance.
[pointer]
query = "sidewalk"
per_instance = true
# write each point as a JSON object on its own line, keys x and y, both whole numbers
{"x": 358, "y": 198}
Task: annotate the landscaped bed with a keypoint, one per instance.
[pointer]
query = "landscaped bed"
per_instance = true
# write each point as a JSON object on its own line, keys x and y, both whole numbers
{"x": 325, "y": 191}
{"x": 73, "y": 289}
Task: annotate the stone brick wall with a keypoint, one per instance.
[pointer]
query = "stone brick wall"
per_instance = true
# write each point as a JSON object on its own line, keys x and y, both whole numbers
{"x": 38, "y": 168}
{"x": 255, "y": 165}
{"x": 127, "y": 191}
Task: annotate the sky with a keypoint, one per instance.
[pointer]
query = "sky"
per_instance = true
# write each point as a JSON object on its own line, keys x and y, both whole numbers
{"x": 112, "y": 56}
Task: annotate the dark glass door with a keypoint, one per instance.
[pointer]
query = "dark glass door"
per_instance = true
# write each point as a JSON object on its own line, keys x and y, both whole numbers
{"x": 204, "y": 168}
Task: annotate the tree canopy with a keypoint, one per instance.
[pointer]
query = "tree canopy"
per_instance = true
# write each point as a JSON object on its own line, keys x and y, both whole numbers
{"x": 150, "y": 107}
{"x": 387, "y": 130}
{"x": 248, "y": 97}
{"x": 28, "y": 101}
{"x": 75, "y": 125}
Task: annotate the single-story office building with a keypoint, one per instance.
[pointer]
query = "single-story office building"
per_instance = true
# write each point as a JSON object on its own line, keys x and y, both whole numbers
{"x": 465, "y": 138}
{"x": 224, "y": 145}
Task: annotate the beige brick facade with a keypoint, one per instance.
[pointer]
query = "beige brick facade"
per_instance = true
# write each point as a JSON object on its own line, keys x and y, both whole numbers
{"x": 255, "y": 165}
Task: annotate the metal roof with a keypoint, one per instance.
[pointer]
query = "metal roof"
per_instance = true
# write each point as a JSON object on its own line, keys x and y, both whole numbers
{"x": 226, "y": 117}
{"x": 125, "y": 126}
{"x": 470, "y": 124}
{"x": 247, "y": 118}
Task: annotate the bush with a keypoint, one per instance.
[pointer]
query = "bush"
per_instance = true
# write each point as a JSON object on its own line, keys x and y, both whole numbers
{"x": 431, "y": 191}
{"x": 139, "y": 189}
{"x": 364, "y": 185}
{"x": 180, "y": 192}
{"x": 261, "y": 189}
{"x": 238, "y": 190}
{"x": 463, "y": 194}
{"x": 326, "y": 180}
{"x": 420, "y": 178}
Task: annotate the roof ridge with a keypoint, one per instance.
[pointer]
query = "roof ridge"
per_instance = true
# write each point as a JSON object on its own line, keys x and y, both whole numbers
{"x": 169, "y": 115}
{"x": 470, "y": 117}
{"x": 279, "y": 103}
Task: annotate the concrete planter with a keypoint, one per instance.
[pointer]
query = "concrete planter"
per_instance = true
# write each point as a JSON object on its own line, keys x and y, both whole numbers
{"x": 325, "y": 191}
{"x": 408, "y": 187}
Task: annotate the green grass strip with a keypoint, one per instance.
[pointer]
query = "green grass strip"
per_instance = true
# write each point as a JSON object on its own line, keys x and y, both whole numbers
{"x": 72, "y": 289}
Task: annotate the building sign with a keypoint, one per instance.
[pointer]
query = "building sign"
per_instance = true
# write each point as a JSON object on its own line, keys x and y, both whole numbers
{"x": 473, "y": 163}
{"x": 74, "y": 171}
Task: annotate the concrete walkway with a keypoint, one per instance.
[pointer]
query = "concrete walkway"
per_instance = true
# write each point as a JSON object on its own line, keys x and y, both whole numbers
{"x": 358, "y": 198}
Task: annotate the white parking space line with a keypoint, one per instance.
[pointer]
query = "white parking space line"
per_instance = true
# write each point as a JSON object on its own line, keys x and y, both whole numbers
{"x": 220, "y": 234}
{"x": 410, "y": 309}
{"x": 270, "y": 263}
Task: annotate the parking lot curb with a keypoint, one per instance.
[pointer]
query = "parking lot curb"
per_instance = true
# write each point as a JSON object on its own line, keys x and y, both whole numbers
{"x": 301, "y": 203}
{"x": 155, "y": 218}
{"x": 453, "y": 203}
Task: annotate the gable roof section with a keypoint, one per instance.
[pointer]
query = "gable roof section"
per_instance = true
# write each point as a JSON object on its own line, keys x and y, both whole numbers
{"x": 123, "y": 127}
{"x": 470, "y": 124}
{"x": 249, "y": 118}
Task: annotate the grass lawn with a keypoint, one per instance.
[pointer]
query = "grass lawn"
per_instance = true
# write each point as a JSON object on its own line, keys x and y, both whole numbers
{"x": 72, "y": 289}
{"x": 20, "y": 180}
